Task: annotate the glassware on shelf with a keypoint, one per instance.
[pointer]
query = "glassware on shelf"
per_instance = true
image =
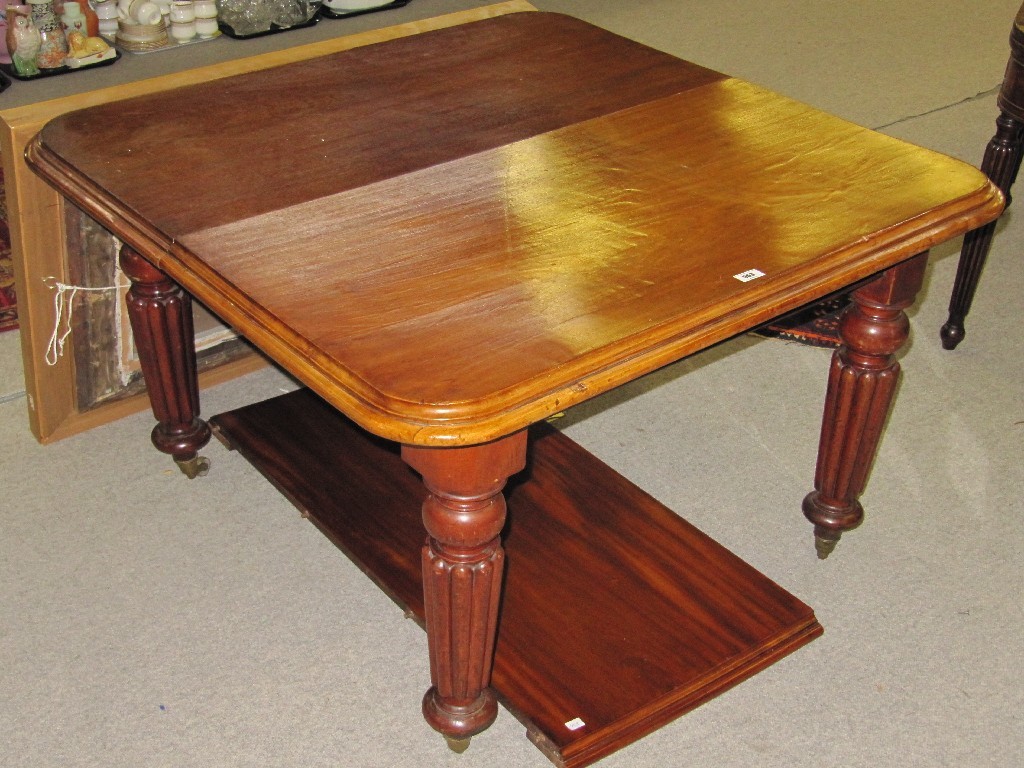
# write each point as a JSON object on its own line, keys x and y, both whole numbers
{"x": 252, "y": 17}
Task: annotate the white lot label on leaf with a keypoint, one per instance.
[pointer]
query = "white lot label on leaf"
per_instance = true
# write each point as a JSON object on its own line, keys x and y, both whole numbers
{"x": 575, "y": 724}
{"x": 750, "y": 274}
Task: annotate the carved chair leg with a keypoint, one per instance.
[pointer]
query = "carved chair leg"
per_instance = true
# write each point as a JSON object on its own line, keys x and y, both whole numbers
{"x": 1001, "y": 164}
{"x": 463, "y": 564}
{"x": 862, "y": 381}
{"x": 161, "y": 317}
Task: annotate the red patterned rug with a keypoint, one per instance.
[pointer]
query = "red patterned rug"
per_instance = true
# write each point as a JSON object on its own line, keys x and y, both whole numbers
{"x": 8, "y": 301}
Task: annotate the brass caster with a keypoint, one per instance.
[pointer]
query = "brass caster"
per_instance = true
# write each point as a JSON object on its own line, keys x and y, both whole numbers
{"x": 824, "y": 546}
{"x": 197, "y": 466}
{"x": 458, "y": 746}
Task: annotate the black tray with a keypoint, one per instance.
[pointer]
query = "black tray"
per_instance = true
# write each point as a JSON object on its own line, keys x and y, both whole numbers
{"x": 330, "y": 13}
{"x": 274, "y": 29}
{"x": 8, "y": 69}
{"x": 5, "y": 82}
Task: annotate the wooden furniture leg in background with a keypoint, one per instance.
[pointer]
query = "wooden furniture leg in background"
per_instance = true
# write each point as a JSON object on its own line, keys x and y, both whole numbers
{"x": 861, "y": 384}
{"x": 463, "y": 564}
{"x": 1001, "y": 163}
{"x": 1002, "y": 160}
{"x": 161, "y": 317}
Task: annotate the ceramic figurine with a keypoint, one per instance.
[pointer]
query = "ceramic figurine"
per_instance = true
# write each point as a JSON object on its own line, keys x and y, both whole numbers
{"x": 83, "y": 50}
{"x": 53, "y": 46}
{"x": 23, "y": 40}
{"x": 73, "y": 19}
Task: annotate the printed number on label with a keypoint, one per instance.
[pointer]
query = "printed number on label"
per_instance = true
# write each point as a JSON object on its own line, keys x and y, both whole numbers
{"x": 750, "y": 274}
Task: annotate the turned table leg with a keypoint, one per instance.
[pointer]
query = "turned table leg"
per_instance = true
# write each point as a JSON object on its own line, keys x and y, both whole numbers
{"x": 161, "y": 317}
{"x": 1001, "y": 163}
{"x": 861, "y": 384}
{"x": 463, "y": 564}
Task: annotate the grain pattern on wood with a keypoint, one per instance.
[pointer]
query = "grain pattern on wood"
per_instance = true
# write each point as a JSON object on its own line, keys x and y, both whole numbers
{"x": 538, "y": 275}
{"x": 531, "y": 241}
{"x": 615, "y": 610}
{"x": 347, "y": 120}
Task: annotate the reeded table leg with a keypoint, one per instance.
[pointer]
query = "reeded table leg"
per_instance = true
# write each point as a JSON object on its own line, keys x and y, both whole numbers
{"x": 1001, "y": 163}
{"x": 861, "y": 384}
{"x": 161, "y": 318}
{"x": 463, "y": 562}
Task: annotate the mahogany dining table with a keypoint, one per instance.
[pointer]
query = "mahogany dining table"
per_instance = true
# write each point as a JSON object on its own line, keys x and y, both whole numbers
{"x": 450, "y": 237}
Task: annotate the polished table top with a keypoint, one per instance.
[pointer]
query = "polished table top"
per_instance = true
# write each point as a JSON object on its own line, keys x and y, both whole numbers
{"x": 456, "y": 234}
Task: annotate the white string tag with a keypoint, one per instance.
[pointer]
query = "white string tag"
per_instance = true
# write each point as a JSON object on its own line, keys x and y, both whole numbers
{"x": 63, "y": 310}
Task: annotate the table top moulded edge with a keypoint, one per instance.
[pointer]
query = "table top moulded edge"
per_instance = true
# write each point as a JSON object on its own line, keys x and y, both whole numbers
{"x": 36, "y": 221}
